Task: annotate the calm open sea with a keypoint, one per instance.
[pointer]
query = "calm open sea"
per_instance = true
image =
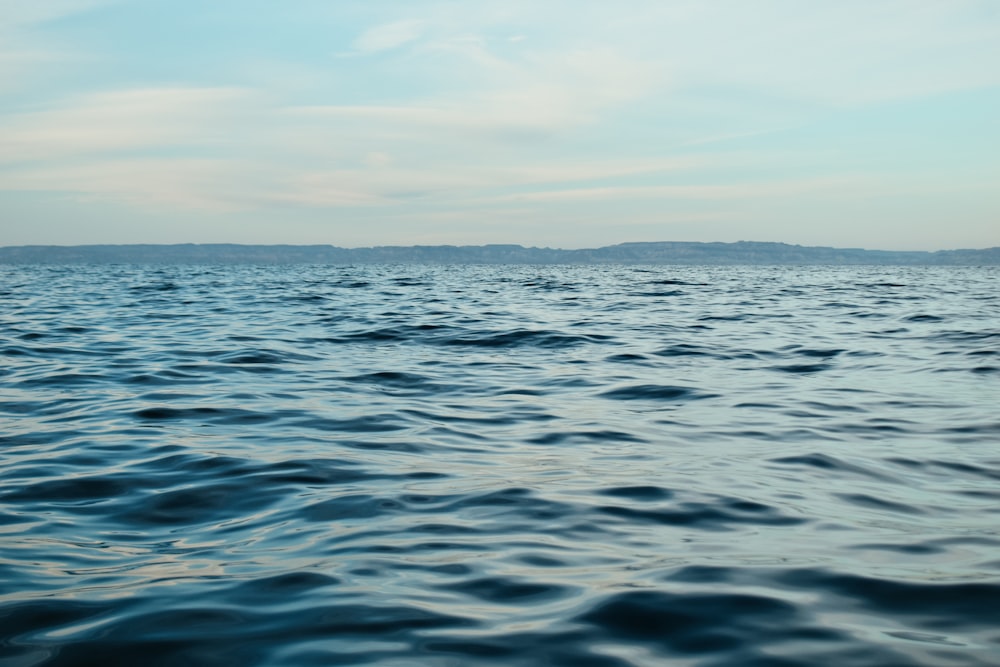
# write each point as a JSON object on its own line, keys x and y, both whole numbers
{"x": 458, "y": 465}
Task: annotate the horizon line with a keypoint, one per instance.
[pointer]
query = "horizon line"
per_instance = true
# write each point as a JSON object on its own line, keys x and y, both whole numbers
{"x": 481, "y": 245}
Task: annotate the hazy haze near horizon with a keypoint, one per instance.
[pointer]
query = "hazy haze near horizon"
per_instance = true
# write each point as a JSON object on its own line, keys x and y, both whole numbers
{"x": 854, "y": 124}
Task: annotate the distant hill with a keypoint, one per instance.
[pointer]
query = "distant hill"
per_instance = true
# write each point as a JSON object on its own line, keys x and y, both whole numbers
{"x": 743, "y": 252}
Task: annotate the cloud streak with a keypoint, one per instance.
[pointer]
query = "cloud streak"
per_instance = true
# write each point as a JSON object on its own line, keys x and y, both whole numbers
{"x": 117, "y": 121}
{"x": 388, "y": 36}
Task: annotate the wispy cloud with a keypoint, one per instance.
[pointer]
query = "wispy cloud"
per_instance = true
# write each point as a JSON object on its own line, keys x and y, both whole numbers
{"x": 386, "y": 185}
{"x": 17, "y": 14}
{"x": 24, "y": 52}
{"x": 844, "y": 54}
{"x": 714, "y": 192}
{"x": 185, "y": 184}
{"x": 388, "y": 36}
{"x": 122, "y": 120}
{"x": 541, "y": 93}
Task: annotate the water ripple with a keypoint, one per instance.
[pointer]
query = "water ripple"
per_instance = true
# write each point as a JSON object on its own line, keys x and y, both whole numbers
{"x": 576, "y": 466}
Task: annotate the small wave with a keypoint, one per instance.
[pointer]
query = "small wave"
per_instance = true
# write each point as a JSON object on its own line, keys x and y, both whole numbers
{"x": 720, "y": 514}
{"x": 869, "y": 501}
{"x": 659, "y": 293}
{"x": 972, "y": 602}
{"x": 585, "y": 436}
{"x": 645, "y": 493}
{"x": 524, "y": 338}
{"x": 397, "y": 380}
{"x": 696, "y": 624}
{"x": 656, "y": 392}
{"x": 206, "y": 415}
{"x": 508, "y": 590}
{"x": 673, "y": 281}
{"x": 832, "y": 464}
{"x": 685, "y": 350}
{"x": 156, "y": 287}
{"x": 802, "y": 368}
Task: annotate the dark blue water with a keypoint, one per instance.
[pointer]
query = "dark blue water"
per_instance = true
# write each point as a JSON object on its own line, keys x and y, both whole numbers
{"x": 579, "y": 466}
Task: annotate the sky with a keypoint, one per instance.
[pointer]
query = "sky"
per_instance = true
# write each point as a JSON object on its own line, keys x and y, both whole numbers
{"x": 572, "y": 124}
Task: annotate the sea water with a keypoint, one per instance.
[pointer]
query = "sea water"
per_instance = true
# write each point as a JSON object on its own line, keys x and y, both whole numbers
{"x": 595, "y": 466}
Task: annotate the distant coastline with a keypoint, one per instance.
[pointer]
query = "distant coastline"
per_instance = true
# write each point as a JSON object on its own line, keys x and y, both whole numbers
{"x": 665, "y": 252}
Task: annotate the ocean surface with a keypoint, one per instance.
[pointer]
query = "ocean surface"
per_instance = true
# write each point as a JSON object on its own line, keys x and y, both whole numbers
{"x": 599, "y": 466}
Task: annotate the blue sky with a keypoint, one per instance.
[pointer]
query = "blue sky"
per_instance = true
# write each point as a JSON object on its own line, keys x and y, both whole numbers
{"x": 570, "y": 124}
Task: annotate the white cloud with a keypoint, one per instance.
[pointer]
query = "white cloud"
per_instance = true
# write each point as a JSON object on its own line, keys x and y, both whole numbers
{"x": 99, "y": 146}
{"x": 18, "y": 13}
{"x": 178, "y": 184}
{"x": 844, "y": 54}
{"x": 389, "y": 185}
{"x": 377, "y": 159}
{"x": 539, "y": 94}
{"x": 857, "y": 187}
{"x": 119, "y": 120}
{"x": 713, "y": 192}
{"x": 24, "y": 51}
{"x": 15, "y": 64}
{"x": 388, "y": 36}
